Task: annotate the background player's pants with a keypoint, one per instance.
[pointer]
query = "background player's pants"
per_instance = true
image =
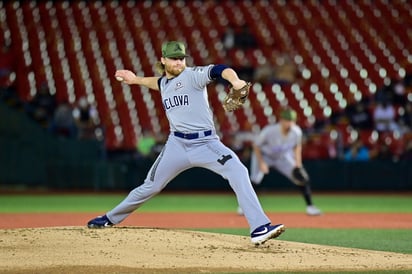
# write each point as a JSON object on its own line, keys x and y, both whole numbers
{"x": 284, "y": 164}
{"x": 181, "y": 154}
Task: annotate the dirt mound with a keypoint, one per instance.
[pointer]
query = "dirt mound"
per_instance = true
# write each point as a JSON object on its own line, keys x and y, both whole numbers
{"x": 145, "y": 250}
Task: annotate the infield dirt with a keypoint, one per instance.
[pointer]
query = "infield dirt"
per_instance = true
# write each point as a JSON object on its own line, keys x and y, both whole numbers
{"x": 155, "y": 250}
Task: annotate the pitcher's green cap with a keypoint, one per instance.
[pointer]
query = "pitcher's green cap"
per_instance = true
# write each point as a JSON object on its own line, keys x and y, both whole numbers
{"x": 173, "y": 49}
{"x": 288, "y": 114}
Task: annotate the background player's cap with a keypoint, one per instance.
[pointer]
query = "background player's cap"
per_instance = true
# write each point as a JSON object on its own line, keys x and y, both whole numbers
{"x": 288, "y": 114}
{"x": 173, "y": 49}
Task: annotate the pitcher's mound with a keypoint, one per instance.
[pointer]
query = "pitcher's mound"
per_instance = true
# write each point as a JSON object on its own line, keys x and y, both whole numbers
{"x": 152, "y": 250}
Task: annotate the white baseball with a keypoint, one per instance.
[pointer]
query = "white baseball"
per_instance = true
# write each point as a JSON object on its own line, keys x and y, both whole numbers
{"x": 120, "y": 79}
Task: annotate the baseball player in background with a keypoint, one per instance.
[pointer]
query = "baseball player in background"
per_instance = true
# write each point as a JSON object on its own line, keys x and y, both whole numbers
{"x": 192, "y": 141}
{"x": 279, "y": 146}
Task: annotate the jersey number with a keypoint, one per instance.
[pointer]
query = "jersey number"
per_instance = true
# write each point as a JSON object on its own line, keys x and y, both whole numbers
{"x": 224, "y": 159}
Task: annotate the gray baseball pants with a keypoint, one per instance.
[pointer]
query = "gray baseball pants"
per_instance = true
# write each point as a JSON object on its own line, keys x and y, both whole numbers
{"x": 181, "y": 154}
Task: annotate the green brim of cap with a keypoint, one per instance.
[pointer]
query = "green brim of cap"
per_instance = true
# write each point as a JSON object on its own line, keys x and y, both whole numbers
{"x": 175, "y": 56}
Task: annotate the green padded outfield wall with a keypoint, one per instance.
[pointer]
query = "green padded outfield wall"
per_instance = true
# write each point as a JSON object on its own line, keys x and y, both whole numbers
{"x": 32, "y": 158}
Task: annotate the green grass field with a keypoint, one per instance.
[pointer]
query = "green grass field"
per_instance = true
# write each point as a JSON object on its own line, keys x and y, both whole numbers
{"x": 393, "y": 240}
{"x": 193, "y": 202}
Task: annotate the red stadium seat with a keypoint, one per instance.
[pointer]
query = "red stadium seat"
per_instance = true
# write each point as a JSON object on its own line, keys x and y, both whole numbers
{"x": 355, "y": 41}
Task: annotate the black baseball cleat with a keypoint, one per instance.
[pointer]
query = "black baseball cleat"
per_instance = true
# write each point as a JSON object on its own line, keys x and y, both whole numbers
{"x": 99, "y": 222}
{"x": 265, "y": 232}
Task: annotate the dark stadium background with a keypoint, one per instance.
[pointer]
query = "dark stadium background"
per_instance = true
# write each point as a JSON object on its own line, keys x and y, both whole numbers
{"x": 340, "y": 53}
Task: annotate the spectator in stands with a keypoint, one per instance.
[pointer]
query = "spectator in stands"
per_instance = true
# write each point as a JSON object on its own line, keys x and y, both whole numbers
{"x": 246, "y": 70}
{"x": 228, "y": 39}
{"x": 8, "y": 92}
{"x": 407, "y": 152}
{"x": 87, "y": 120}
{"x": 279, "y": 68}
{"x": 383, "y": 152}
{"x": 265, "y": 72}
{"x": 407, "y": 80}
{"x": 405, "y": 118}
{"x": 145, "y": 143}
{"x": 7, "y": 64}
{"x": 285, "y": 70}
{"x": 384, "y": 116}
{"x": 63, "y": 122}
{"x": 245, "y": 39}
{"x": 398, "y": 93}
{"x": 241, "y": 142}
{"x": 357, "y": 151}
{"x": 394, "y": 93}
{"x": 240, "y": 40}
{"x": 42, "y": 106}
{"x": 384, "y": 94}
{"x": 359, "y": 116}
{"x": 159, "y": 144}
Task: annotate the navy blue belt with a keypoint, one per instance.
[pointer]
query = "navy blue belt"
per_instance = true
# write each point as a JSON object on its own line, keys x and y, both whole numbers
{"x": 192, "y": 136}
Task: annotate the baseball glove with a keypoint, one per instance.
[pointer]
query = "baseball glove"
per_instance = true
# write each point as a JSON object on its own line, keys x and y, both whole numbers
{"x": 300, "y": 175}
{"x": 236, "y": 97}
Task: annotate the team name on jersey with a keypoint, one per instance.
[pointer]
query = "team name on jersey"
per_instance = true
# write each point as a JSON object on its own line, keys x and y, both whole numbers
{"x": 176, "y": 101}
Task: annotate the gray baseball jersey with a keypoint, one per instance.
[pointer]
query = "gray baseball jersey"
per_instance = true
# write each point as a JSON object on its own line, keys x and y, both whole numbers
{"x": 192, "y": 143}
{"x": 277, "y": 150}
{"x": 186, "y": 102}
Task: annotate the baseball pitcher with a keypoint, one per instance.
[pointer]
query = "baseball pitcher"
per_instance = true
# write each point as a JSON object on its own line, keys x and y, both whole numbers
{"x": 192, "y": 141}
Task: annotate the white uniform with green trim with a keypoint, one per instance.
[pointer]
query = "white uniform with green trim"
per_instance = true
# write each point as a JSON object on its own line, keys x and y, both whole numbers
{"x": 277, "y": 151}
{"x": 187, "y": 108}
